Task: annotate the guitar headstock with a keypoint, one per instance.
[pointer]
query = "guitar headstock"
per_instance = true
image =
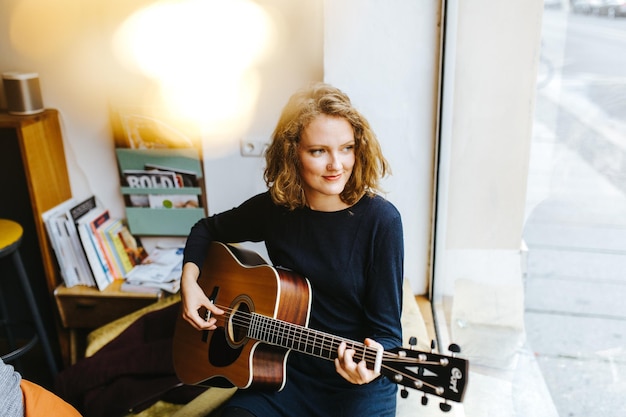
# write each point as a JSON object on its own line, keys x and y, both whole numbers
{"x": 432, "y": 373}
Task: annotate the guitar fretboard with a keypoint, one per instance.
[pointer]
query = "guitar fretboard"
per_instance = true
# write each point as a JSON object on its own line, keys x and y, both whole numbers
{"x": 305, "y": 340}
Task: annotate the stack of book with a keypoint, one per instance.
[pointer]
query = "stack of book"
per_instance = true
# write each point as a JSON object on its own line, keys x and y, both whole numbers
{"x": 91, "y": 247}
{"x": 160, "y": 271}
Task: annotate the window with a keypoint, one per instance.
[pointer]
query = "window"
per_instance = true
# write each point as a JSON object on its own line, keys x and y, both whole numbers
{"x": 530, "y": 234}
{"x": 575, "y": 227}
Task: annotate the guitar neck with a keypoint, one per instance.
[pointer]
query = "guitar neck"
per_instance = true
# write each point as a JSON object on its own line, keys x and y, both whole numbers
{"x": 309, "y": 341}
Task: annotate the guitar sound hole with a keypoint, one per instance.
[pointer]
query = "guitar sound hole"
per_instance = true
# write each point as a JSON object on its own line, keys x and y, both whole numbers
{"x": 239, "y": 321}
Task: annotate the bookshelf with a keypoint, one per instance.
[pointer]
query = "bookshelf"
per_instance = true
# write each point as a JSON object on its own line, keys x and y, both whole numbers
{"x": 33, "y": 172}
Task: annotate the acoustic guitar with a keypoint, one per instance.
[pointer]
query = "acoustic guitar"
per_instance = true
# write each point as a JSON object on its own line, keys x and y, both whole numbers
{"x": 266, "y": 316}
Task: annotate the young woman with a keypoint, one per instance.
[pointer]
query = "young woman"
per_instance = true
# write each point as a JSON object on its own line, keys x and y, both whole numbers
{"x": 322, "y": 217}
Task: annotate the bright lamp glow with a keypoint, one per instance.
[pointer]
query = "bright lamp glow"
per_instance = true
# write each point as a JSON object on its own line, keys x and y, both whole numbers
{"x": 202, "y": 54}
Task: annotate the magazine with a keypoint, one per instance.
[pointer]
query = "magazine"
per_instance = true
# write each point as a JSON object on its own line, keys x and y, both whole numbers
{"x": 152, "y": 178}
{"x": 173, "y": 201}
{"x": 161, "y": 269}
{"x": 73, "y": 264}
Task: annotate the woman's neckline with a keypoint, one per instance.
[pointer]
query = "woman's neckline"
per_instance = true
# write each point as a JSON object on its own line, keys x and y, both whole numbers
{"x": 342, "y": 210}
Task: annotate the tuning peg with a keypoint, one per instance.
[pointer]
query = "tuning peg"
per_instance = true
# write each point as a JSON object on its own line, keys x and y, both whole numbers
{"x": 454, "y": 348}
{"x": 424, "y": 400}
{"x": 445, "y": 407}
{"x": 404, "y": 392}
{"x": 413, "y": 342}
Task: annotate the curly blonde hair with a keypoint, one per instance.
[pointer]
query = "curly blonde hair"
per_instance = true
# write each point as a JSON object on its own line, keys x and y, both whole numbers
{"x": 282, "y": 172}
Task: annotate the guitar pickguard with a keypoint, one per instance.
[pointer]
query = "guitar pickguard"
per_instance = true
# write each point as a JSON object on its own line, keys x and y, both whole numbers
{"x": 226, "y": 343}
{"x": 220, "y": 352}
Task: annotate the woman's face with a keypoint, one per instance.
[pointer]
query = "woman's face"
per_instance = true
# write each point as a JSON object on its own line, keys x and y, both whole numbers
{"x": 326, "y": 153}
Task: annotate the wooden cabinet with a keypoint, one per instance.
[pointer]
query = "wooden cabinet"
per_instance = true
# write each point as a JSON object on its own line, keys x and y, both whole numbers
{"x": 33, "y": 179}
{"x": 43, "y": 159}
{"x": 82, "y": 309}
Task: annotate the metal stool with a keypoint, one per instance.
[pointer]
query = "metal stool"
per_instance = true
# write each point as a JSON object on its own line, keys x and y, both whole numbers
{"x": 10, "y": 239}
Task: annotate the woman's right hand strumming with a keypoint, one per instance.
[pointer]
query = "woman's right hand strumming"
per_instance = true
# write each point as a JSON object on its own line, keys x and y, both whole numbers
{"x": 193, "y": 299}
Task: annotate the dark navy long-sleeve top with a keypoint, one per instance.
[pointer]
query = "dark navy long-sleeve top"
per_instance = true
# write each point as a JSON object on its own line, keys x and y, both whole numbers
{"x": 353, "y": 259}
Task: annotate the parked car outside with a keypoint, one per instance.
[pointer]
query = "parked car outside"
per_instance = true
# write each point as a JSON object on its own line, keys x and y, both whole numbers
{"x": 612, "y": 8}
{"x": 584, "y": 6}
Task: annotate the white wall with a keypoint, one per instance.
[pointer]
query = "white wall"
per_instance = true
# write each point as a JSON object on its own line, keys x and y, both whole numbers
{"x": 492, "y": 110}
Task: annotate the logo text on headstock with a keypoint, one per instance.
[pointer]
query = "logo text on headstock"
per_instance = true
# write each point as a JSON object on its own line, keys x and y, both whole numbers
{"x": 455, "y": 375}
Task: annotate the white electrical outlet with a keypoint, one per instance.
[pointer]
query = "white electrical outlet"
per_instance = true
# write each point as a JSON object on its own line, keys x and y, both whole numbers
{"x": 252, "y": 146}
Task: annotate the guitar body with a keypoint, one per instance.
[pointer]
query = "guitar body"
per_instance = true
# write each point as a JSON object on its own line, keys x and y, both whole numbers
{"x": 240, "y": 282}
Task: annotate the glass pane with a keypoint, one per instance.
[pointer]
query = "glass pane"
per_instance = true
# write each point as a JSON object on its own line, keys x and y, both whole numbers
{"x": 575, "y": 228}
{"x": 544, "y": 326}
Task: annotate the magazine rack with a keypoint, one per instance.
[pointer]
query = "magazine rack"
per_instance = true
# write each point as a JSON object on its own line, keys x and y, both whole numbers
{"x": 146, "y": 221}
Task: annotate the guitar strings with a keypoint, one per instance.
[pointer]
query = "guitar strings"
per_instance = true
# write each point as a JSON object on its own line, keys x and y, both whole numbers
{"x": 329, "y": 342}
{"x": 292, "y": 331}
